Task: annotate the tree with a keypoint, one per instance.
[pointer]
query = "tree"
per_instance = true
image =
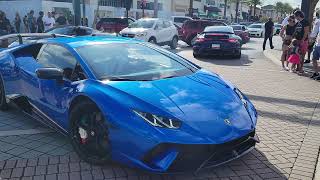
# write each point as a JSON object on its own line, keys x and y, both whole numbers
{"x": 287, "y": 8}
{"x": 279, "y": 7}
{"x": 254, "y": 3}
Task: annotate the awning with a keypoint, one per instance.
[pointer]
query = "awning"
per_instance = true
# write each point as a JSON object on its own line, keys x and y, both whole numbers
{"x": 212, "y": 9}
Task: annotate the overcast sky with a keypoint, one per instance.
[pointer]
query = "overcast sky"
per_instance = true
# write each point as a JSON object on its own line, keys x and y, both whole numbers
{"x": 294, "y": 3}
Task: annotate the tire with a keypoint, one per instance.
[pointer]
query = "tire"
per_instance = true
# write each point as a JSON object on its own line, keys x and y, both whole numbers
{"x": 189, "y": 42}
{"x": 3, "y": 102}
{"x": 238, "y": 56}
{"x": 152, "y": 40}
{"x": 94, "y": 147}
{"x": 196, "y": 55}
{"x": 174, "y": 42}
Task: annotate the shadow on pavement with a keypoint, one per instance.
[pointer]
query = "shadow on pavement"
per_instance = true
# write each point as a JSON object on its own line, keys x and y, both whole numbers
{"x": 227, "y": 60}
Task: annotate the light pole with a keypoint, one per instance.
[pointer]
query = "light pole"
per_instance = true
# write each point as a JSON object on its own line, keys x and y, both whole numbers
{"x": 83, "y": 11}
{"x": 191, "y": 8}
{"x": 77, "y": 12}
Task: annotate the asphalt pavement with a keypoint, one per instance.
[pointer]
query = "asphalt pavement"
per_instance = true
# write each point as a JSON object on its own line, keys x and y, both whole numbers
{"x": 288, "y": 127}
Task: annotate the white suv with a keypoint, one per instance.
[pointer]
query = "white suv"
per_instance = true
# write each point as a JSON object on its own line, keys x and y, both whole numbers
{"x": 154, "y": 30}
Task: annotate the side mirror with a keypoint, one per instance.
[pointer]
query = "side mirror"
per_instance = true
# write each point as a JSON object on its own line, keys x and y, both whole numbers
{"x": 50, "y": 74}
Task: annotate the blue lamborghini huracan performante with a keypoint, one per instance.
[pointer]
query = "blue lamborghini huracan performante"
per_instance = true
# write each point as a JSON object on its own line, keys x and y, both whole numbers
{"x": 129, "y": 101}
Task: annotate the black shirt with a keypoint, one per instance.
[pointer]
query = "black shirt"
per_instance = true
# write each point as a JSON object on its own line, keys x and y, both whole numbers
{"x": 290, "y": 30}
{"x": 4, "y": 24}
{"x": 61, "y": 20}
{"x": 269, "y": 27}
{"x": 298, "y": 34}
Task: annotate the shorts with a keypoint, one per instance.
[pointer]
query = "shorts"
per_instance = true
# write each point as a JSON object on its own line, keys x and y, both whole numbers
{"x": 316, "y": 53}
{"x": 304, "y": 47}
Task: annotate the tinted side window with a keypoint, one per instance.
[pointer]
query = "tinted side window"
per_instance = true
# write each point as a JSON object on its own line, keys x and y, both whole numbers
{"x": 58, "y": 57}
{"x": 205, "y": 24}
{"x": 192, "y": 25}
{"x": 166, "y": 24}
{"x": 180, "y": 19}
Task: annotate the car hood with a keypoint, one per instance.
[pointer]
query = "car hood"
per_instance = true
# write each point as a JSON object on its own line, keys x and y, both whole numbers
{"x": 133, "y": 30}
{"x": 206, "y": 104}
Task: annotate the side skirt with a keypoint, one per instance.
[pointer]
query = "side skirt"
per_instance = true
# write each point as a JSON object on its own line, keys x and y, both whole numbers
{"x": 22, "y": 103}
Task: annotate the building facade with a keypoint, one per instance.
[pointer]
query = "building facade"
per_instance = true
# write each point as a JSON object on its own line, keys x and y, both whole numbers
{"x": 114, "y": 8}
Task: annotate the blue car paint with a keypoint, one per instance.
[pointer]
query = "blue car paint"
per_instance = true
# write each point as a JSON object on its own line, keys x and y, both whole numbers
{"x": 202, "y": 101}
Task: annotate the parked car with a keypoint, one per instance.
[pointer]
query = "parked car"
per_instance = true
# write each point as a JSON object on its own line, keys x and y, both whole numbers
{"x": 277, "y": 29}
{"x": 242, "y": 32}
{"x": 179, "y": 20}
{"x": 154, "y": 30}
{"x": 113, "y": 25}
{"x": 126, "y": 101}
{"x": 217, "y": 40}
{"x": 190, "y": 29}
{"x": 256, "y": 30}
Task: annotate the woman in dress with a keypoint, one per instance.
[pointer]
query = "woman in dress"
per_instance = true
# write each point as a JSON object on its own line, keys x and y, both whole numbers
{"x": 286, "y": 34}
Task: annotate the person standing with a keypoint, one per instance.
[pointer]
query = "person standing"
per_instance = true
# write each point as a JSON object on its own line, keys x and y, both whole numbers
{"x": 301, "y": 34}
{"x": 49, "y": 21}
{"x": 286, "y": 34}
{"x": 269, "y": 28}
{"x": 25, "y": 23}
{"x": 17, "y": 22}
{"x": 5, "y": 28}
{"x": 32, "y": 22}
{"x": 40, "y": 22}
{"x": 315, "y": 35}
{"x": 61, "y": 20}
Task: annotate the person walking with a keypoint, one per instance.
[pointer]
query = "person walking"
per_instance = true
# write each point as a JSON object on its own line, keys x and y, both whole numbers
{"x": 32, "y": 22}
{"x": 49, "y": 21}
{"x": 40, "y": 22}
{"x": 17, "y": 23}
{"x": 315, "y": 35}
{"x": 301, "y": 34}
{"x": 269, "y": 28}
{"x": 286, "y": 34}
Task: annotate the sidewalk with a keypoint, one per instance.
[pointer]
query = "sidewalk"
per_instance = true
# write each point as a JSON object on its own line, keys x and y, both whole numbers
{"x": 275, "y": 56}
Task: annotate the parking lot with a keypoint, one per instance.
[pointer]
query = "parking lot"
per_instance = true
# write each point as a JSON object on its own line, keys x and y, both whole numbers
{"x": 288, "y": 127}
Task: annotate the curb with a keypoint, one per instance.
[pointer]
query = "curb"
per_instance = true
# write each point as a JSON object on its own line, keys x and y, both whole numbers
{"x": 271, "y": 54}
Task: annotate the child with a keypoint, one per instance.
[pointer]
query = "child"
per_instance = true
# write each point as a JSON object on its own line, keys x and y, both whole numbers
{"x": 294, "y": 56}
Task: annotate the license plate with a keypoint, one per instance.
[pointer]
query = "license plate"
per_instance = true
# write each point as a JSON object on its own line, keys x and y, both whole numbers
{"x": 215, "y": 46}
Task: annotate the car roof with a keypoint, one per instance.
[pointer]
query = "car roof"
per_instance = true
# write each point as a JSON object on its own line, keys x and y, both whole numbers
{"x": 219, "y": 29}
{"x": 76, "y": 42}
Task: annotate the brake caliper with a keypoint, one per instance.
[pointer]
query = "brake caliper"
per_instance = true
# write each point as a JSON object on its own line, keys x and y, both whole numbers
{"x": 83, "y": 135}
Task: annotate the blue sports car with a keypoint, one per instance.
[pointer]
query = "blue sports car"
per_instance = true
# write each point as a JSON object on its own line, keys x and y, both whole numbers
{"x": 129, "y": 101}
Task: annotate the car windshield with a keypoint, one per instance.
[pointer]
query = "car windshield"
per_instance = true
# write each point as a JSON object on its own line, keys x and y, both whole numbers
{"x": 255, "y": 26}
{"x": 219, "y": 29}
{"x": 142, "y": 23}
{"x": 62, "y": 30}
{"x": 132, "y": 62}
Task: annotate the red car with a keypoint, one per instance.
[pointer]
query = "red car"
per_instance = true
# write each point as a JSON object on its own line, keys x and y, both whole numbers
{"x": 190, "y": 29}
{"x": 113, "y": 25}
{"x": 242, "y": 32}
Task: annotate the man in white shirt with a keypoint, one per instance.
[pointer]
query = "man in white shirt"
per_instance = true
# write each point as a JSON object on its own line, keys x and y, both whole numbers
{"x": 315, "y": 34}
{"x": 48, "y": 21}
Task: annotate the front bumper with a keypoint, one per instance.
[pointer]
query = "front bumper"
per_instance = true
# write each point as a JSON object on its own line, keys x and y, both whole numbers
{"x": 195, "y": 157}
{"x": 255, "y": 34}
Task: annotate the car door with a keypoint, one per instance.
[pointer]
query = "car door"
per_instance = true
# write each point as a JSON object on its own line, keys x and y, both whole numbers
{"x": 54, "y": 96}
{"x": 169, "y": 29}
{"x": 160, "y": 32}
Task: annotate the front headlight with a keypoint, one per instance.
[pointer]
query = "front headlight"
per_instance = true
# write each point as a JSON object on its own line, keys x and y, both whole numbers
{"x": 240, "y": 95}
{"x": 159, "y": 121}
{"x": 141, "y": 34}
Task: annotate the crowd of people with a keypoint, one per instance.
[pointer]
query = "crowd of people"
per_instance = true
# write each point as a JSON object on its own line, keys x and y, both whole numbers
{"x": 298, "y": 40}
{"x": 32, "y": 24}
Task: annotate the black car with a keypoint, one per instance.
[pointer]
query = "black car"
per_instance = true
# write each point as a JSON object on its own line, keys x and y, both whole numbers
{"x": 217, "y": 40}
{"x": 72, "y": 30}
